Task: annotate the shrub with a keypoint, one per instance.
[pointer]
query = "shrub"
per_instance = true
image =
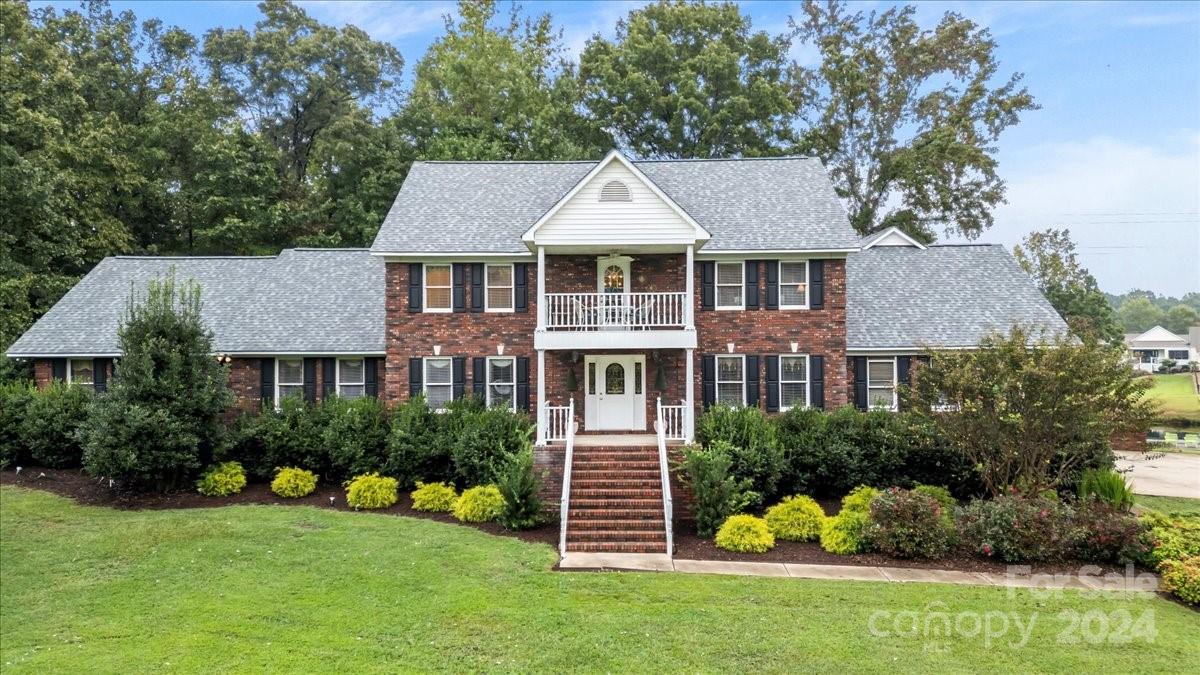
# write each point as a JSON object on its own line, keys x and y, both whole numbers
{"x": 941, "y": 494}
{"x": 1107, "y": 534}
{"x": 292, "y": 482}
{"x": 859, "y": 499}
{"x": 222, "y": 480}
{"x": 519, "y": 487}
{"x": 485, "y": 437}
{"x": 1017, "y": 528}
{"x": 751, "y": 442}
{"x": 1171, "y": 537}
{"x": 745, "y": 534}
{"x": 354, "y": 435}
{"x": 842, "y": 534}
{"x": 371, "y": 491}
{"x": 418, "y": 444}
{"x": 438, "y": 497}
{"x": 716, "y": 493}
{"x": 54, "y": 417}
{"x": 1182, "y": 578}
{"x": 480, "y": 504}
{"x": 1107, "y": 486}
{"x": 796, "y": 518}
{"x": 14, "y": 398}
{"x": 908, "y": 524}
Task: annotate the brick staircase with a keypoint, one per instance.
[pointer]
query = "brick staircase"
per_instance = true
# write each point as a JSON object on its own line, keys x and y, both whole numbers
{"x": 616, "y": 501}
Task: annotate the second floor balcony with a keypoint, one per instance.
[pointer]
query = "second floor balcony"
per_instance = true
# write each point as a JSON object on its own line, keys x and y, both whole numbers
{"x": 616, "y": 311}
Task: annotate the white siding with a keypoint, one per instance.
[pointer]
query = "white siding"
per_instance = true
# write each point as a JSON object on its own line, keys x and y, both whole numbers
{"x": 587, "y": 220}
{"x": 892, "y": 239}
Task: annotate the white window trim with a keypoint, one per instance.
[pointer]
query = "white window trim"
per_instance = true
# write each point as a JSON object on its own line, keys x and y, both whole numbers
{"x": 807, "y": 284}
{"x": 807, "y": 380}
{"x": 717, "y": 285}
{"x": 278, "y": 398}
{"x": 425, "y": 288}
{"x": 512, "y": 289}
{"x": 894, "y": 384}
{"x": 717, "y": 381}
{"x": 425, "y": 378}
{"x": 339, "y": 383}
{"x": 71, "y": 371}
{"x": 488, "y": 378}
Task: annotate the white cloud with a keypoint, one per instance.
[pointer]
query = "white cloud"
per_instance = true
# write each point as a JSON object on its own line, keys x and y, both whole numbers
{"x": 382, "y": 20}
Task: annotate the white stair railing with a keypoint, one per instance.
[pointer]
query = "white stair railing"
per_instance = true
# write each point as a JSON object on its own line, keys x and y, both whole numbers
{"x": 615, "y": 311}
{"x": 665, "y": 473}
{"x": 673, "y": 419}
{"x": 568, "y": 459}
{"x": 557, "y": 419}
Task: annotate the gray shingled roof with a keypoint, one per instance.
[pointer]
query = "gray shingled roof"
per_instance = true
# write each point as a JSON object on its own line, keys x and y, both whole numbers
{"x": 944, "y": 296}
{"x": 746, "y": 204}
{"x": 315, "y": 301}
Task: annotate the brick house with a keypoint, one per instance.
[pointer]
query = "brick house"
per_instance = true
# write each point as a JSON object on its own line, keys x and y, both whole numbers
{"x": 623, "y": 290}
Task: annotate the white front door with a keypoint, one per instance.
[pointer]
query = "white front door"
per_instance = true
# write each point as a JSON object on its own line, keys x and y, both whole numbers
{"x": 615, "y": 397}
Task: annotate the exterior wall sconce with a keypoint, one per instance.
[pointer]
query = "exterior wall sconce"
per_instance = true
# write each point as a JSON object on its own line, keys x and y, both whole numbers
{"x": 729, "y": 346}
{"x": 437, "y": 350}
{"x": 795, "y": 347}
{"x": 500, "y": 349}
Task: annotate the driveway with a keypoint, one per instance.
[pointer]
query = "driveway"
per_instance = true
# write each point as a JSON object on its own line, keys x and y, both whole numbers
{"x": 1171, "y": 475}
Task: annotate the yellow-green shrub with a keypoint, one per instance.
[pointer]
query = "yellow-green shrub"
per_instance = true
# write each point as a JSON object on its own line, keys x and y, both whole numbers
{"x": 842, "y": 534}
{"x": 222, "y": 480}
{"x": 479, "y": 504}
{"x": 1182, "y": 577}
{"x": 796, "y": 518}
{"x": 371, "y": 491}
{"x": 434, "y": 497}
{"x": 745, "y": 534}
{"x": 293, "y": 482}
{"x": 859, "y": 499}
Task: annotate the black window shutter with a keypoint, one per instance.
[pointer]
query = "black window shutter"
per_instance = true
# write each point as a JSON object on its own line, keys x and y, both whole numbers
{"x": 479, "y": 377}
{"x": 310, "y": 380}
{"x": 458, "y": 272}
{"x": 903, "y": 368}
{"x": 772, "y": 284}
{"x": 708, "y": 380}
{"x": 523, "y": 383}
{"x": 416, "y": 279}
{"x": 266, "y": 382}
{"x": 772, "y": 362}
{"x": 328, "y": 378}
{"x": 752, "y": 381}
{"x": 751, "y": 284}
{"x": 816, "y": 382}
{"x": 477, "y": 287}
{"x": 521, "y": 287}
{"x": 371, "y": 377}
{"x": 416, "y": 367}
{"x": 816, "y": 284}
{"x": 459, "y": 383}
{"x": 58, "y": 369}
{"x": 860, "y": 382}
{"x": 100, "y": 374}
{"x": 707, "y": 285}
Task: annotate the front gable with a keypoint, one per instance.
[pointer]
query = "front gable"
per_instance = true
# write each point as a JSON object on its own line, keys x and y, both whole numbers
{"x": 1160, "y": 335}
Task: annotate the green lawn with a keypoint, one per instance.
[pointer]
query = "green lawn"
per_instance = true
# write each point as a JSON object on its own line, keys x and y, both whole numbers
{"x": 301, "y": 589}
{"x": 1176, "y": 395}
{"x": 1169, "y": 505}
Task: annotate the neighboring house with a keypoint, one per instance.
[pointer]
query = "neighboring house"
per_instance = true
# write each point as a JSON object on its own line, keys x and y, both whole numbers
{"x": 1148, "y": 350}
{"x": 612, "y": 283}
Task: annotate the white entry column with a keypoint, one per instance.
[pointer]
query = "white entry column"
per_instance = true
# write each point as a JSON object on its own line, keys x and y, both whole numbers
{"x": 689, "y": 410}
{"x": 542, "y": 420}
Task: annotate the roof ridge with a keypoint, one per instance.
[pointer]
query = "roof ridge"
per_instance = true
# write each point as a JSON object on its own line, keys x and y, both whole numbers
{"x": 191, "y": 257}
{"x": 726, "y": 159}
{"x": 635, "y": 161}
{"x": 336, "y": 248}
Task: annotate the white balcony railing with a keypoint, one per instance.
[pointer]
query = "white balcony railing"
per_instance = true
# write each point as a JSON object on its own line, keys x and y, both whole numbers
{"x": 615, "y": 311}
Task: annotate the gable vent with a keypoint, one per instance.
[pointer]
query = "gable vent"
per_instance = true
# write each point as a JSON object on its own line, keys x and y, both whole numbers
{"x": 615, "y": 191}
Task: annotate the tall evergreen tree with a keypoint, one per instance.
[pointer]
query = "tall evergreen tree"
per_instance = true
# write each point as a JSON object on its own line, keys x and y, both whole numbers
{"x": 1049, "y": 257}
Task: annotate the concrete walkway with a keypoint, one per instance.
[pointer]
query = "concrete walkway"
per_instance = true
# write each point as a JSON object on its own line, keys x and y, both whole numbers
{"x": 1171, "y": 475}
{"x": 661, "y": 562}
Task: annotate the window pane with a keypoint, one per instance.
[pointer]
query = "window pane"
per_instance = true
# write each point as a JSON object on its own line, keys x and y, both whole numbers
{"x": 729, "y": 273}
{"x": 501, "y": 395}
{"x": 591, "y": 378}
{"x": 614, "y": 379}
{"x": 637, "y": 378}
{"x": 437, "y": 275}
{"x": 291, "y": 371}
{"x": 437, "y": 298}
{"x": 729, "y": 369}
{"x": 792, "y": 273}
{"x": 879, "y": 373}
{"x": 880, "y": 398}
{"x": 792, "y": 295}
{"x": 729, "y": 296}
{"x": 286, "y": 390}
{"x": 792, "y": 368}
{"x": 499, "y": 298}
{"x": 499, "y": 275}
{"x": 729, "y": 394}
{"x": 437, "y": 371}
{"x": 351, "y": 371}
{"x": 81, "y": 371}
{"x": 438, "y": 395}
{"x": 501, "y": 370}
{"x": 351, "y": 391}
{"x": 792, "y": 394}
{"x": 614, "y": 279}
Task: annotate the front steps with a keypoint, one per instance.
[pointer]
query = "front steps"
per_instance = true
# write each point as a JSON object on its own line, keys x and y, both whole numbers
{"x": 616, "y": 500}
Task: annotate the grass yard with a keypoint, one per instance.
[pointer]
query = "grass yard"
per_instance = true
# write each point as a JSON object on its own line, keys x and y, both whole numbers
{"x": 298, "y": 588}
{"x": 1176, "y": 395}
{"x": 1170, "y": 505}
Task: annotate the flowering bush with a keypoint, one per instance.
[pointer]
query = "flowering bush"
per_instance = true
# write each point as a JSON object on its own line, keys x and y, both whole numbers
{"x": 1015, "y": 528}
{"x": 1104, "y": 533}
{"x": 908, "y": 524}
{"x": 371, "y": 491}
{"x": 1182, "y": 577}
{"x": 745, "y": 534}
{"x": 480, "y": 504}
{"x": 796, "y": 518}
{"x": 293, "y": 483}
{"x": 222, "y": 480}
{"x": 438, "y": 497}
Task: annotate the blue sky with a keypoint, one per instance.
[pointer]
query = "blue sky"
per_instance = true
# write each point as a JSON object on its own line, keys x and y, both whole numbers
{"x": 1113, "y": 154}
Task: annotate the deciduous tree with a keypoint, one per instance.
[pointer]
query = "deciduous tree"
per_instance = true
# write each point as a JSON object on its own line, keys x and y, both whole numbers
{"x": 1049, "y": 257}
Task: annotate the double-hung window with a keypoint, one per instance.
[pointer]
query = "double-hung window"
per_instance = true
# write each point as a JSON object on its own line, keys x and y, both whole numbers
{"x": 80, "y": 371}
{"x": 730, "y": 289}
{"x": 438, "y": 288}
{"x": 793, "y": 381}
{"x": 793, "y": 285}
{"x": 289, "y": 378}
{"x": 501, "y": 382}
{"x": 439, "y": 382}
{"x": 351, "y": 378}
{"x": 731, "y": 380}
{"x": 1177, "y": 354}
{"x": 499, "y": 295}
{"x": 881, "y": 383}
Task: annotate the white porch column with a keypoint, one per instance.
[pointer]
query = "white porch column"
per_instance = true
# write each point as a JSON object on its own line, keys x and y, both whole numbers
{"x": 689, "y": 410}
{"x": 689, "y": 303}
{"x": 541, "y": 379}
{"x": 541, "y": 294}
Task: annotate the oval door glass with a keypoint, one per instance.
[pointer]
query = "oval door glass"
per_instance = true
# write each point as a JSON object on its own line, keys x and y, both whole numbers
{"x": 614, "y": 279}
{"x": 614, "y": 379}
